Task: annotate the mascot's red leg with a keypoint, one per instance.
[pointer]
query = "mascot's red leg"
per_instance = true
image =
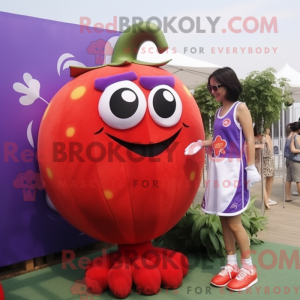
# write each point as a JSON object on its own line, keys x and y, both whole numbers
{"x": 148, "y": 267}
{"x": 96, "y": 275}
{"x": 120, "y": 278}
{"x": 146, "y": 276}
{"x": 1, "y": 293}
{"x": 178, "y": 257}
{"x": 170, "y": 271}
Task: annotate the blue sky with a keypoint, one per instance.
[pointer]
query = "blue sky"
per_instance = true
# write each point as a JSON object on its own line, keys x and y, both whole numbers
{"x": 287, "y": 14}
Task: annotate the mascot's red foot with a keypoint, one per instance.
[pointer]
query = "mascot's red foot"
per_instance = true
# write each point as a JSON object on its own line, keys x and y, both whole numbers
{"x": 146, "y": 266}
{"x": 1, "y": 293}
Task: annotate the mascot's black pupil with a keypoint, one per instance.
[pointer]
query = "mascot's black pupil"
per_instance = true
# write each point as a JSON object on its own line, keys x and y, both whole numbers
{"x": 124, "y": 103}
{"x": 164, "y": 103}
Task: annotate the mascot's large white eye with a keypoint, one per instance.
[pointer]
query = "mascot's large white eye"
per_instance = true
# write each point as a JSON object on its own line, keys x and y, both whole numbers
{"x": 165, "y": 106}
{"x": 122, "y": 105}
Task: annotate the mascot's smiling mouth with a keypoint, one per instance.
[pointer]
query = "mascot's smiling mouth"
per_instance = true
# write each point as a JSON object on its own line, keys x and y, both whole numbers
{"x": 147, "y": 150}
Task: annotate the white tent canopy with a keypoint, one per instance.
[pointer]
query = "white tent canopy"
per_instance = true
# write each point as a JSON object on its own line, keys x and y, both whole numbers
{"x": 190, "y": 71}
{"x": 294, "y": 77}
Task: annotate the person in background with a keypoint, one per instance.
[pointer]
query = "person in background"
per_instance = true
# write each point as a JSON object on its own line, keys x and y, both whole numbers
{"x": 267, "y": 132}
{"x": 293, "y": 167}
{"x": 265, "y": 142}
{"x": 289, "y": 134}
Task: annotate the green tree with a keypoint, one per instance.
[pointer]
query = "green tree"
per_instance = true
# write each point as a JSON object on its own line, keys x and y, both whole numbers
{"x": 208, "y": 107}
{"x": 264, "y": 95}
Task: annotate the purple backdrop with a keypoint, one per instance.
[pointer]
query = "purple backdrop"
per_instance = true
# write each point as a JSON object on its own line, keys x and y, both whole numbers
{"x": 42, "y": 50}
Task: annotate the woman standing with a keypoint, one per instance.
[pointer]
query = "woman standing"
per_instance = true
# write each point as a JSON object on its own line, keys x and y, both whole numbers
{"x": 265, "y": 142}
{"x": 293, "y": 167}
{"x": 230, "y": 176}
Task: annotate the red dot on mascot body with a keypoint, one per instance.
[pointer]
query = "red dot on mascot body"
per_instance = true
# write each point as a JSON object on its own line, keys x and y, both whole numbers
{"x": 112, "y": 155}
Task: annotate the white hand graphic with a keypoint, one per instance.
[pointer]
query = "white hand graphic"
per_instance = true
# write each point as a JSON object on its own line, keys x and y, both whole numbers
{"x": 29, "y": 134}
{"x": 193, "y": 148}
{"x": 31, "y": 91}
{"x": 68, "y": 63}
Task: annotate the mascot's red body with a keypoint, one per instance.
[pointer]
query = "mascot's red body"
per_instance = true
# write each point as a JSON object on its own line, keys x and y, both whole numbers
{"x": 1, "y": 293}
{"x": 111, "y": 151}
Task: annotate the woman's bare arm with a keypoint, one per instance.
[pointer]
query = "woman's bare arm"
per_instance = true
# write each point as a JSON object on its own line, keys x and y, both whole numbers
{"x": 293, "y": 147}
{"x": 244, "y": 118}
{"x": 270, "y": 143}
{"x": 208, "y": 142}
{"x": 258, "y": 146}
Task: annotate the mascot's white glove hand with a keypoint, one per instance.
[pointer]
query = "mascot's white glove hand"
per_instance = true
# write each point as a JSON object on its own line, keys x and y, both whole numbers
{"x": 193, "y": 148}
{"x": 252, "y": 176}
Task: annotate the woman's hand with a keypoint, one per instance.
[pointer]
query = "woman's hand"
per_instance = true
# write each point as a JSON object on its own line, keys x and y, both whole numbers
{"x": 269, "y": 143}
{"x": 252, "y": 176}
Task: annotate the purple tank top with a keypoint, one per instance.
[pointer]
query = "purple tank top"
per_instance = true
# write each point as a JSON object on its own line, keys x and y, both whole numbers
{"x": 228, "y": 135}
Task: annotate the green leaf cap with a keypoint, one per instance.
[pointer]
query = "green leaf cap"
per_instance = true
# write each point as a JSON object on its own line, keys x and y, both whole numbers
{"x": 128, "y": 45}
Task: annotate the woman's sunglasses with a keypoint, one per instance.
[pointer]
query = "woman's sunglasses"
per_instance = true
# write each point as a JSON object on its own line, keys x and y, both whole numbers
{"x": 214, "y": 87}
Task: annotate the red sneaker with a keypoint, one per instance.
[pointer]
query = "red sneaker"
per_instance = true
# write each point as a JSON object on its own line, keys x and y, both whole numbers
{"x": 226, "y": 275}
{"x": 244, "y": 279}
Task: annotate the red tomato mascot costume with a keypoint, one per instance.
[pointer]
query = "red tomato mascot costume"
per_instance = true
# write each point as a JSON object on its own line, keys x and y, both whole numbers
{"x": 111, "y": 151}
{"x": 1, "y": 293}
